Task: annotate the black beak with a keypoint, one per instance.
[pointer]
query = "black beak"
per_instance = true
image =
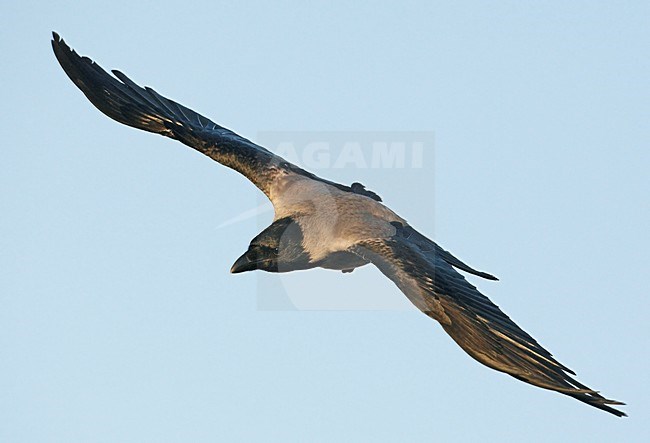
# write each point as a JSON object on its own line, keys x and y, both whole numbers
{"x": 243, "y": 264}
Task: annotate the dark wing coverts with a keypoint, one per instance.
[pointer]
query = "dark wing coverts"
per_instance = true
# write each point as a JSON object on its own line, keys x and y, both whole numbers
{"x": 475, "y": 323}
{"x": 143, "y": 108}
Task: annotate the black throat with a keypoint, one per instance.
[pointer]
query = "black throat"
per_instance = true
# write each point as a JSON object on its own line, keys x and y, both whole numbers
{"x": 286, "y": 237}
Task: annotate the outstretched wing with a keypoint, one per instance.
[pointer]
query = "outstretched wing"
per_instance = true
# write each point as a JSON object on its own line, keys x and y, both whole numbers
{"x": 471, "y": 319}
{"x": 143, "y": 108}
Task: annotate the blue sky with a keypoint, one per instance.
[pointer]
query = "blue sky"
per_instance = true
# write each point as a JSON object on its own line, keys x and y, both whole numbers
{"x": 119, "y": 320}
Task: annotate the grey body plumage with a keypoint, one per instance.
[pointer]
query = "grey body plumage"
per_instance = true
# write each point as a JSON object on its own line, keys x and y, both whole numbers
{"x": 319, "y": 223}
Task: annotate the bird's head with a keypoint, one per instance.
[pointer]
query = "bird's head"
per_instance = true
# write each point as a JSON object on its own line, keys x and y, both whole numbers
{"x": 276, "y": 249}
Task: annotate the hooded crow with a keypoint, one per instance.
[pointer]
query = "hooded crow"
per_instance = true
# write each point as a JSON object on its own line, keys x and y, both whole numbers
{"x": 319, "y": 223}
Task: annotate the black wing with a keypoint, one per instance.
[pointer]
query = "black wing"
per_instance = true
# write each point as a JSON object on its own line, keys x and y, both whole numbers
{"x": 143, "y": 108}
{"x": 471, "y": 319}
